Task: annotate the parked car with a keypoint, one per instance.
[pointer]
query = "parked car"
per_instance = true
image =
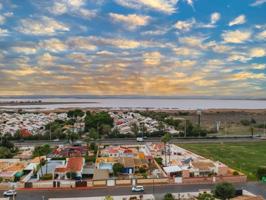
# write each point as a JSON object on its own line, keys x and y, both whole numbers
{"x": 10, "y": 193}
{"x": 137, "y": 188}
{"x": 140, "y": 139}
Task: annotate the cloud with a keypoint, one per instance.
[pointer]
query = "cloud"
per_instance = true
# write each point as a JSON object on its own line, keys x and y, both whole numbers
{"x": 81, "y": 43}
{"x": 53, "y": 45}
{"x": 186, "y": 25}
{"x": 190, "y": 2}
{"x": 258, "y": 2}
{"x": 241, "y": 19}
{"x": 262, "y": 35}
{"x": 257, "y": 52}
{"x": 165, "y": 6}
{"x": 236, "y": 36}
{"x": 117, "y": 42}
{"x": 22, "y": 71}
{"x": 185, "y": 51}
{"x": 46, "y": 59}
{"x": 4, "y": 32}
{"x": 132, "y": 21}
{"x": 215, "y": 17}
{"x": 25, "y": 49}
{"x": 2, "y": 20}
{"x": 72, "y": 7}
{"x": 180, "y": 75}
{"x": 42, "y": 26}
{"x": 152, "y": 58}
{"x": 238, "y": 57}
{"x": 218, "y": 48}
{"x": 248, "y": 75}
{"x": 258, "y": 66}
{"x": 194, "y": 41}
{"x": 185, "y": 63}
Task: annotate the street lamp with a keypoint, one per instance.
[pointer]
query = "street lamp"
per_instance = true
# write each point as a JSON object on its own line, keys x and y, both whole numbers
{"x": 199, "y": 112}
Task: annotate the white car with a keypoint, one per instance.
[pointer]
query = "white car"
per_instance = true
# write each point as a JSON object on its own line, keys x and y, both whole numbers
{"x": 140, "y": 139}
{"x": 137, "y": 188}
{"x": 10, "y": 193}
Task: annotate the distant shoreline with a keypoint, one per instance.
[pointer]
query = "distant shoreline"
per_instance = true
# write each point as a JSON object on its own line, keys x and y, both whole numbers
{"x": 26, "y": 103}
{"x": 43, "y": 97}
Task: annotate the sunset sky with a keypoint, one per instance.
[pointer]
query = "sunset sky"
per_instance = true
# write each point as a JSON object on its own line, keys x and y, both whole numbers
{"x": 133, "y": 47}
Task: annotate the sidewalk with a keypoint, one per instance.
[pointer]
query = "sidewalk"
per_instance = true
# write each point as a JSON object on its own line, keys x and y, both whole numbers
{"x": 145, "y": 197}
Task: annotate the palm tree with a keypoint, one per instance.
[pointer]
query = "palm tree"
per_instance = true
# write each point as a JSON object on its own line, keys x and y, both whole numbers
{"x": 165, "y": 139}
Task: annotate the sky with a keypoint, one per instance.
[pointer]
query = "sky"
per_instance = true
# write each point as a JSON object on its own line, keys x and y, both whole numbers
{"x": 133, "y": 47}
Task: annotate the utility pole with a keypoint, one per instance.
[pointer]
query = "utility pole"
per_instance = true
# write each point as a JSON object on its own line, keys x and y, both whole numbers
{"x": 50, "y": 132}
{"x": 199, "y": 112}
{"x": 185, "y": 128}
{"x": 264, "y": 129}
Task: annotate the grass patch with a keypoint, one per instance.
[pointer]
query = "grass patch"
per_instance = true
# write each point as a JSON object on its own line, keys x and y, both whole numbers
{"x": 244, "y": 157}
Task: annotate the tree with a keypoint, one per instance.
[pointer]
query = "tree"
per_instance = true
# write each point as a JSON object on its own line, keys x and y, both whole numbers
{"x": 93, "y": 134}
{"x": 95, "y": 120}
{"x": 108, "y": 197}
{"x": 165, "y": 139}
{"x": 5, "y": 153}
{"x": 42, "y": 150}
{"x": 117, "y": 168}
{"x": 135, "y": 128}
{"x": 143, "y": 129}
{"x": 205, "y": 196}
{"x": 105, "y": 129}
{"x": 168, "y": 196}
{"x": 161, "y": 127}
{"x": 224, "y": 191}
{"x": 261, "y": 172}
{"x": 75, "y": 113}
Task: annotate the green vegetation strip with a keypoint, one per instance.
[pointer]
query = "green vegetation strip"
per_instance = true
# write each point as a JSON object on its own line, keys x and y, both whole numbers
{"x": 244, "y": 157}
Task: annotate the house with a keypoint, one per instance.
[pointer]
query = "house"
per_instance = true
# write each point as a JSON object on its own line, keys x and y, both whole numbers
{"x": 202, "y": 167}
{"x": 75, "y": 165}
{"x": 13, "y": 172}
{"x": 49, "y": 167}
{"x": 129, "y": 165}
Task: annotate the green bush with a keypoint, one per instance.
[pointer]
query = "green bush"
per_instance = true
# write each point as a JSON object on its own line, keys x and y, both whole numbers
{"x": 205, "y": 196}
{"x": 261, "y": 172}
{"x": 71, "y": 175}
{"x": 117, "y": 168}
{"x": 159, "y": 160}
{"x": 245, "y": 122}
{"x": 224, "y": 191}
{"x": 47, "y": 177}
{"x": 168, "y": 196}
{"x": 142, "y": 170}
{"x": 235, "y": 173}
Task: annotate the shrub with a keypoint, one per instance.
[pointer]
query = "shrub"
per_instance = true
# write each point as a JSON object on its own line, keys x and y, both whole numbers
{"x": 205, "y": 196}
{"x": 261, "y": 172}
{"x": 117, "y": 168}
{"x": 235, "y": 173}
{"x": 159, "y": 160}
{"x": 71, "y": 175}
{"x": 142, "y": 170}
{"x": 47, "y": 177}
{"x": 245, "y": 122}
{"x": 168, "y": 196}
{"x": 224, "y": 191}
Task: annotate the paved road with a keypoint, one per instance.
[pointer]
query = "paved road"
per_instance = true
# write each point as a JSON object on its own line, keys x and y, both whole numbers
{"x": 159, "y": 191}
{"x": 154, "y": 140}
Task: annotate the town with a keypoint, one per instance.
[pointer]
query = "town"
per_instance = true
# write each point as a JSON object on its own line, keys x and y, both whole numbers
{"x": 76, "y": 155}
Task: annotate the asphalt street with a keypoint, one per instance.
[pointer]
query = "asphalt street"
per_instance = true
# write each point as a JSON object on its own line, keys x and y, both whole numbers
{"x": 133, "y": 141}
{"x": 159, "y": 191}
